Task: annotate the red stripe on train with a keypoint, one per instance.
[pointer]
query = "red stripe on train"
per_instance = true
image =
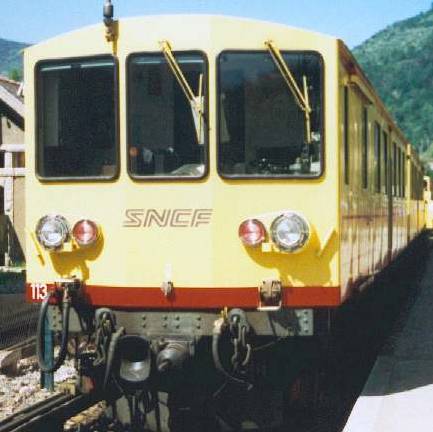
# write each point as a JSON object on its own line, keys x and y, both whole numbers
{"x": 201, "y": 298}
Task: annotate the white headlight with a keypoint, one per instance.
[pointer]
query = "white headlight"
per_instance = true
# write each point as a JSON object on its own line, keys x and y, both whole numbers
{"x": 290, "y": 232}
{"x": 52, "y": 231}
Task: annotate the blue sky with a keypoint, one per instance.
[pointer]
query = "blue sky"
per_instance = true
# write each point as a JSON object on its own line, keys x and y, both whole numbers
{"x": 352, "y": 20}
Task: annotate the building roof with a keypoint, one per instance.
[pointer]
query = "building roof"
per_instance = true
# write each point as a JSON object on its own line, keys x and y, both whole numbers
{"x": 10, "y": 97}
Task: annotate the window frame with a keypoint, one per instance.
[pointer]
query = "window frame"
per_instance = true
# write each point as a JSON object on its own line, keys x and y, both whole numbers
{"x": 218, "y": 118}
{"x": 37, "y": 110}
{"x": 206, "y": 93}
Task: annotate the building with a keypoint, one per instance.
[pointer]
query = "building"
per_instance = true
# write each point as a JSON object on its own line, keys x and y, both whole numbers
{"x": 12, "y": 221}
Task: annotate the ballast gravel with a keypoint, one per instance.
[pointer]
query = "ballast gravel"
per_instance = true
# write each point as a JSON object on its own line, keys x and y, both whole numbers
{"x": 22, "y": 389}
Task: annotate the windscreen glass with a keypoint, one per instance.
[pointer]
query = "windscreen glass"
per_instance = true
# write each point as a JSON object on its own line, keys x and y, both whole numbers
{"x": 262, "y": 129}
{"x": 77, "y": 119}
{"x": 166, "y": 135}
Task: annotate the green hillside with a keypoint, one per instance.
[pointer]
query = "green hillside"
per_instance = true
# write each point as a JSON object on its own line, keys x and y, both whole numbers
{"x": 10, "y": 57}
{"x": 399, "y": 63}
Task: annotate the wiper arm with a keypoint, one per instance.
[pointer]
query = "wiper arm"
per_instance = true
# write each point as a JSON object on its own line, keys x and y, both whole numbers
{"x": 301, "y": 98}
{"x": 197, "y": 102}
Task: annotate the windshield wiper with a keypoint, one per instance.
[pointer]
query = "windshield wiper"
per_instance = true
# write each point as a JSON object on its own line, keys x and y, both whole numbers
{"x": 301, "y": 98}
{"x": 196, "y": 102}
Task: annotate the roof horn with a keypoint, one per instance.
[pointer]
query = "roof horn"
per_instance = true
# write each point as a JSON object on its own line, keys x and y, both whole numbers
{"x": 108, "y": 13}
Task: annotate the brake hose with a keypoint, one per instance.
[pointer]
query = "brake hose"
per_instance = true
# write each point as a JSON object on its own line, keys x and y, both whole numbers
{"x": 110, "y": 354}
{"x": 40, "y": 334}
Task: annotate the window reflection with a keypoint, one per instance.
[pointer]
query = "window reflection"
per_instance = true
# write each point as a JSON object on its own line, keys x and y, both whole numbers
{"x": 162, "y": 134}
{"x": 261, "y": 128}
{"x": 76, "y": 119}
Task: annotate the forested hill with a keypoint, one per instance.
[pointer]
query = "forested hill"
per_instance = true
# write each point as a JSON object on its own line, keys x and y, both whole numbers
{"x": 399, "y": 62}
{"x": 11, "y": 57}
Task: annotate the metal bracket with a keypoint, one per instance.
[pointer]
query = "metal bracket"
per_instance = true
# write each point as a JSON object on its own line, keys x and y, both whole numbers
{"x": 270, "y": 295}
{"x": 73, "y": 284}
{"x": 305, "y": 319}
{"x": 167, "y": 288}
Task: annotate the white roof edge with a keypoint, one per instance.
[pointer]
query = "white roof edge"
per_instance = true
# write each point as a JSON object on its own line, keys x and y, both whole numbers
{"x": 183, "y": 16}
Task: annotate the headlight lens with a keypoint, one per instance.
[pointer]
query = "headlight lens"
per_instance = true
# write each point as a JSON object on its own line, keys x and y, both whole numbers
{"x": 52, "y": 231}
{"x": 290, "y": 232}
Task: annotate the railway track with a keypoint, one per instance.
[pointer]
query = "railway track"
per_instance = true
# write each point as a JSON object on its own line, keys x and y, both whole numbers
{"x": 11, "y": 354}
{"x": 25, "y": 344}
{"x": 48, "y": 415}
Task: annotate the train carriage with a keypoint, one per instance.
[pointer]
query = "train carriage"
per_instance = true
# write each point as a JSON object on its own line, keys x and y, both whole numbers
{"x": 379, "y": 181}
{"x": 194, "y": 190}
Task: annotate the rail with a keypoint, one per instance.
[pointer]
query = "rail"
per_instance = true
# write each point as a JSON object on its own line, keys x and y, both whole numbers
{"x": 48, "y": 415}
{"x": 26, "y": 343}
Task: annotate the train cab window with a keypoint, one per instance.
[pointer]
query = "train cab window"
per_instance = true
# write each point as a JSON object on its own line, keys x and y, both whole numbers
{"x": 262, "y": 127}
{"x": 385, "y": 161}
{"x": 377, "y": 158}
{"x": 76, "y": 119}
{"x": 365, "y": 145}
{"x": 167, "y": 138}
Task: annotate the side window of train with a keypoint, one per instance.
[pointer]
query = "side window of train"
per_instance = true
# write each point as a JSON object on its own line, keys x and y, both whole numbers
{"x": 399, "y": 171}
{"x": 394, "y": 169}
{"x": 365, "y": 145}
{"x": 413, "y": 176}
{"x": 385, "y": 161}
{"x": 419, "y": 183}
{"x": 76, "y": 118}
{"x": 377, "y": 158}
{"x": 346, "y": 136}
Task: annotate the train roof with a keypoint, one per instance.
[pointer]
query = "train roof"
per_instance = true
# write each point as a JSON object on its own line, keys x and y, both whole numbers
{"x": 355, "y": 69}
{"x": 188, "y": 23}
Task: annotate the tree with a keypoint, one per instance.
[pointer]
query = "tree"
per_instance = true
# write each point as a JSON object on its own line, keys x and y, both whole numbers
{"x": 15, "y": 75}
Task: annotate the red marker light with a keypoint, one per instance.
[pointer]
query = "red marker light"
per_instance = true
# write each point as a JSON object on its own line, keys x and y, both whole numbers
{"x": 85, "y": 232}
{"x": 252, "y": 232}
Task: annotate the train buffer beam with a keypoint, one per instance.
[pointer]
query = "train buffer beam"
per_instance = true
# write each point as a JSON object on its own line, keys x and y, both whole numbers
{"x": 398, "y": 395}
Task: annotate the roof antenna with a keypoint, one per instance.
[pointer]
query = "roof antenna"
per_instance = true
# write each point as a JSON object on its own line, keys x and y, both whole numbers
{"x": 108, "y": 21}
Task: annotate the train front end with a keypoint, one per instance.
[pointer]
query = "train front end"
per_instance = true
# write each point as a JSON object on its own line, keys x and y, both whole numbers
{"x": 184, "y": 199}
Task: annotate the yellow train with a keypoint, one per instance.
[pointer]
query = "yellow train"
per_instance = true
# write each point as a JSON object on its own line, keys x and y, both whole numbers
{"x": 199, "y": 197}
